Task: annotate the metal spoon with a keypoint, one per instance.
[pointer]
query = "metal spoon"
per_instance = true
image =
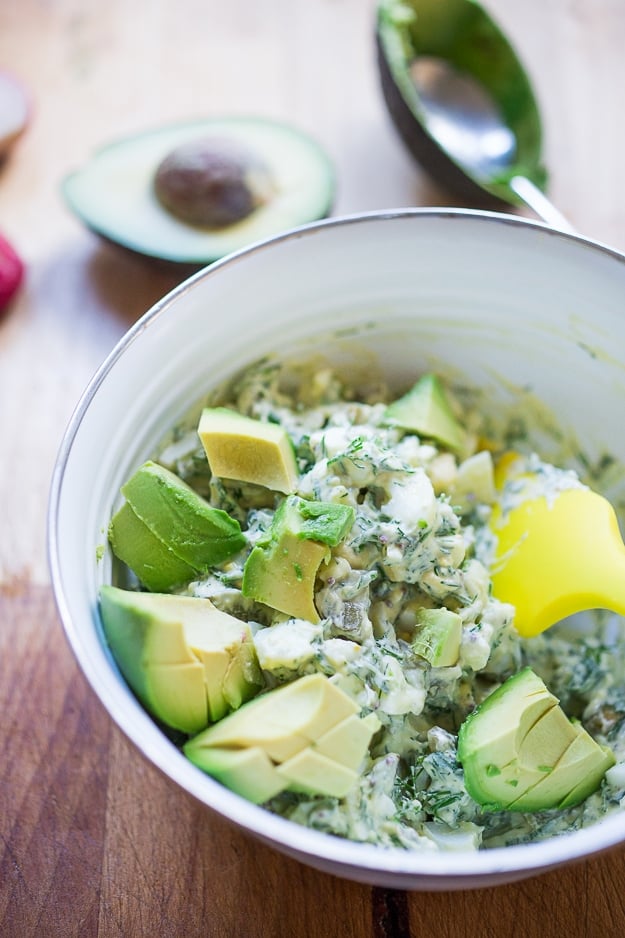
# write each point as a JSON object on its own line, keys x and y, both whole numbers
{"x": 462, "y": 102}
{"x": 465, "y": 122}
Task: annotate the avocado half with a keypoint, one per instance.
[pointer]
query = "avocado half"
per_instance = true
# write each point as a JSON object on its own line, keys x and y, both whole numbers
{"x": 113, "y": 193}
{"x": 461, "y": 35}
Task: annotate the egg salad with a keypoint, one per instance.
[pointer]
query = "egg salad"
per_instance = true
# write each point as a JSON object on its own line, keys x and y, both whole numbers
{"x": 327, "y": 555}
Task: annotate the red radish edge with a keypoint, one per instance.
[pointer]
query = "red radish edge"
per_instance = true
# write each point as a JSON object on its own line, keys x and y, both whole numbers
{"x": 11, "y": 273}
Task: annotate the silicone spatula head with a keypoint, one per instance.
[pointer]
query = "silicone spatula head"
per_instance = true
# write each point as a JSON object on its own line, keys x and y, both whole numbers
{"x": 558, "y": 555}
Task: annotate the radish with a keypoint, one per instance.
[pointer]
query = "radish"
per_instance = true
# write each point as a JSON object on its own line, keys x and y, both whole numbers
{"x": 11, "y": 273}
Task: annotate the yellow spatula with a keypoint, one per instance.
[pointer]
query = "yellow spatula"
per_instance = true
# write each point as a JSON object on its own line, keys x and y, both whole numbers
{"x": 557, "y": 555}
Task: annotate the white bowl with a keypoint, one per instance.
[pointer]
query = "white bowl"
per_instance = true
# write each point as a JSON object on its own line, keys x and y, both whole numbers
{"x": 490, "y": 299}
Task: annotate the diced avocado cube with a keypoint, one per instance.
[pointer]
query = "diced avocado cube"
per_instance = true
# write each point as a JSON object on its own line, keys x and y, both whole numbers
{"x": 583, "y": 759}
{"x": 325, "y": 522}
{"x": 281, "y": 569}
{"x": 310, "y": 771}
{"x": 347, "y": 742}
{"x": 285, "y": 720}
{"x": 520, "y": 752}
{"x": 308, "y": 731}
{"x": 174, "y": 693}
{"x": 248, "y": 772}
{"x": 425, "y": 409}
{"x": 283, "y": 576}
{"x": 474, "y": 483}
{"x": 438, "y": 636}
{"x": 188, "y": 662}
{"x": 247, "y": 450}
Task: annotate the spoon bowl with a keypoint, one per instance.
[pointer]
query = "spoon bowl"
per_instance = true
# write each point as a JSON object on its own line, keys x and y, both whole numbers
{"x": 463, "y": 103}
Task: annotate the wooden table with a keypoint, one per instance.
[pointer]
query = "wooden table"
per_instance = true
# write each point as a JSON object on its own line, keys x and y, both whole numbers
{"x": 94, "y": 840}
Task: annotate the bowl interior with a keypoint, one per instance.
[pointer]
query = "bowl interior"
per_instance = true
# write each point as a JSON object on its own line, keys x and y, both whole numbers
{"x": 513, "y": 308}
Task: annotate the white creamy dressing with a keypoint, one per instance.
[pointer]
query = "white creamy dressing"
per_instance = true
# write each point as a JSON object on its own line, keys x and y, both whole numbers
{"x": 411, "y": 546}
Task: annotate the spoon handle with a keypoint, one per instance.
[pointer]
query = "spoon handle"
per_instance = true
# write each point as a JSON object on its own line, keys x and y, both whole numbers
{"x": 539, "y": 203}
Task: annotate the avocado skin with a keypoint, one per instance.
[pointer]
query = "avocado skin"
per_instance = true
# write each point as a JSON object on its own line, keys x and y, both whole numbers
{"x": 177, "y": 270}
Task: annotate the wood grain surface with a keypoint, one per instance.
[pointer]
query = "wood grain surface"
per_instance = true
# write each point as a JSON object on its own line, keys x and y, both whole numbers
{"x": 95, "y": 842}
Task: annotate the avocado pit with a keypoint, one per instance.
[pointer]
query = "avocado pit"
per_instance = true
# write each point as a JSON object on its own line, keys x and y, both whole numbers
{"x": 212, "y": 182}
{"x": 282, "y": 171}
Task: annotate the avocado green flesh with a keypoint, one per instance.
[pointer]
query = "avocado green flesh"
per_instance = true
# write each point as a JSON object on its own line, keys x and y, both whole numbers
{"x": 325, "y": 522}
{"x": 580, "y": 760}
{"x": 199, "y": 534}
{"x": 520, "y": 752}
{"x": 249, "y": 772}
{"x": 154, "y": 563}
{"x": 344, "y": 742}
{"x": 177, "y": 695}
{"x": 304, "y": 736}
{"x": 310, "y": 771}
{"x": 113, "y": 192}
{"x": 281, "y": 569}
{"x": 425, "y": 410}
{"x": 247, "y": 450}
{"x": 166, "y": 533}
{"x": 438, "y": 636}
{"x": 188, "y": 662}
{"x": 283, "y": 576}
{"x": 284, "y": 722}
{"x": 465, "y": 37}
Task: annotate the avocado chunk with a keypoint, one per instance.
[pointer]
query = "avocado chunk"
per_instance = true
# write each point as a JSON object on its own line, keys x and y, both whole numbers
{"x": 248, "y": 450}
{"x": 438, "y": 637}
{"x": 188, "y": 662}
{"x": 174, "y": 534}
{"x": 156, "y": 566}
{"x": 425, "y": 410}
{"x": 199, "y": 534}
{"x": 249, "y": 772}
{"x": 584, "y": 759}
{"x": 347, "y": 740}
{"x": 190, "y": 193}
{"x": 430, "y": 56}
{"x": 474, "y": 483}
{"x": 520, "y": 752}
{"x": 309, "y": 732}
{"x": 281, "y": 569}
